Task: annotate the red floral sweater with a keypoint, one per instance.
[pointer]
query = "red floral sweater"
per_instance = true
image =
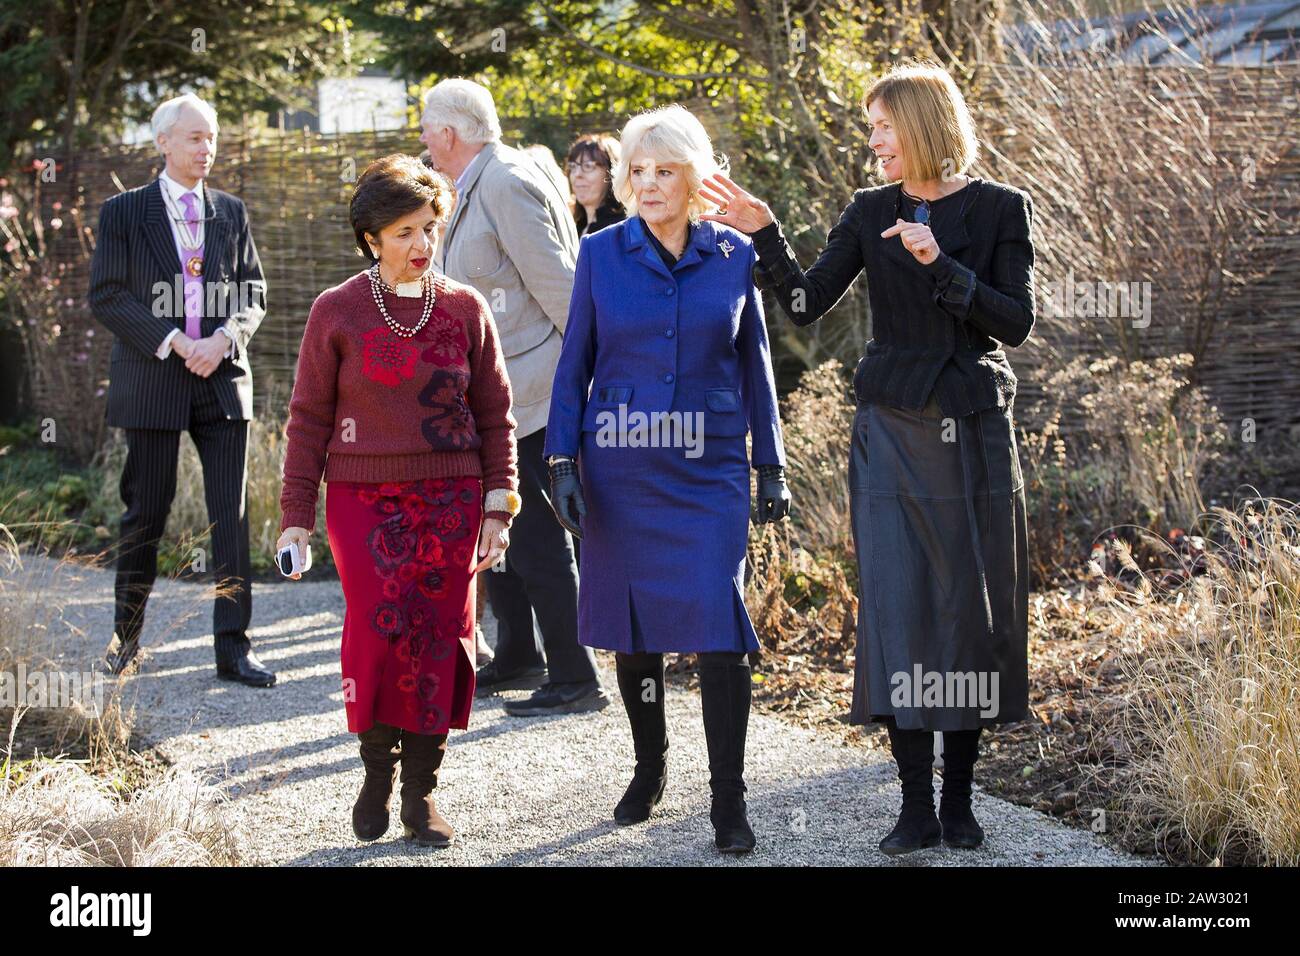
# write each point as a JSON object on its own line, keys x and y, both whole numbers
{"x": 369, "y": 405}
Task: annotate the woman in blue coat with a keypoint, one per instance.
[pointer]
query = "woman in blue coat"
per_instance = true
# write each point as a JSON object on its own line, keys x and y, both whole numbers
{"x": 665, "y": 368}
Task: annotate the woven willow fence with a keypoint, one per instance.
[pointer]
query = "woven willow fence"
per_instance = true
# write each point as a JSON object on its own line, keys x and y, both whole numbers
{"x": 297, "y": 186}
{"x": 1143, "y": 167}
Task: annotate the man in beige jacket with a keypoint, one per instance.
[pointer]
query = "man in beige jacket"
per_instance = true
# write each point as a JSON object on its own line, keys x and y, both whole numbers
{"x": 512, "y": 237}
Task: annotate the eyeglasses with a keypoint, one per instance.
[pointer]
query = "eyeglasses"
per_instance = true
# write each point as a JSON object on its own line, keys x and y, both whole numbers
{"x": 587, "y": 166}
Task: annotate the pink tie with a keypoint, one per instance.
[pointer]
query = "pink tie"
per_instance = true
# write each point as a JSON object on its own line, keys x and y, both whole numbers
{"x": 193, "y": 283}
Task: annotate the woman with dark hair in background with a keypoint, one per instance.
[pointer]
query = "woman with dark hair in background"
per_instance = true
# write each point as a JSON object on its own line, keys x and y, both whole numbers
{"x": 591, "y": 165}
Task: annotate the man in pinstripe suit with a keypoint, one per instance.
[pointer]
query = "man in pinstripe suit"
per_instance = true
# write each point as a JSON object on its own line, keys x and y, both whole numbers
{"x": 176, "y": 278}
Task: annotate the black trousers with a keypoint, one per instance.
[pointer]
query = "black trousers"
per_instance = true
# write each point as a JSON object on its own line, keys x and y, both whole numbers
{"x": 148, "y": 487}
{"x": 540, "y": 577}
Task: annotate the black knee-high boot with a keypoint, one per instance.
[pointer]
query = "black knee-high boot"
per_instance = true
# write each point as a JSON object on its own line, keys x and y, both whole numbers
{"x": 917, "y": 826}
{"x": 641, "y": 682}
{"x": 725, "y": 696}
{"x": 960, "y": 750}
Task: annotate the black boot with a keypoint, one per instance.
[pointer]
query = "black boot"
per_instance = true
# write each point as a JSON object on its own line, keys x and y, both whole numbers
{"x": 724, "y": 695}
{"x": 960, "y": 828}
{"x": 641, "y": 682}
{"x": 379, "y": 754}
{"x": 917, "y": 826}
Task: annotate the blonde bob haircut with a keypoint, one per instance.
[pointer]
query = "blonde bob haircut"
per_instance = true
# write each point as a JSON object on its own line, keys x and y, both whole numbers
{"x": 934, "y": 126}
{"x": 670, "y": 134}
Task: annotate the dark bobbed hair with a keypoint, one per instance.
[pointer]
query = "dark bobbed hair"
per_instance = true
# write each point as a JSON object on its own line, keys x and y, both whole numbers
{"x": 392, "y": 187}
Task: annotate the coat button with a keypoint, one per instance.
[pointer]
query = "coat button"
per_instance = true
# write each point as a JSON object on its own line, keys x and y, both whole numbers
{"x": 669, "y": 333}
{"x": 669, "y": 291}
{"x": 668, "y": 378}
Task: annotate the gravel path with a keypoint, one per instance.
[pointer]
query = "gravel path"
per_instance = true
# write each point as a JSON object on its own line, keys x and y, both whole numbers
{"x": 518, "y": 790}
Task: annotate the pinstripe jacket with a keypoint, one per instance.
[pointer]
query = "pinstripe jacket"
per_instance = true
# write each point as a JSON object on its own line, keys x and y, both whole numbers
{"x": 137, "y": 292}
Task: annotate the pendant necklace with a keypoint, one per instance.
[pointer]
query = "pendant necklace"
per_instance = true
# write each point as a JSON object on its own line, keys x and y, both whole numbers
{"x": 190, "y": 233}
{"x": 377, "y": 284}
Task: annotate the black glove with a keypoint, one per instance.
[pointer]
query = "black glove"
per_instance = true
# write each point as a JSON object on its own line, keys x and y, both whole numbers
{"x": 773, "y": 495}
{"x": 566, "y": 496}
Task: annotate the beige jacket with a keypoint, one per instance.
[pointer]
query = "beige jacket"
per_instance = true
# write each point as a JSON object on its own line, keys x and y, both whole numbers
{"x": 512, "y": 237}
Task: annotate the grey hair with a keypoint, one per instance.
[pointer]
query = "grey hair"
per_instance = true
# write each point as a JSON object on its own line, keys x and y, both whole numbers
{"x": 466, "y": 107}
{"x": 165, "y": 116}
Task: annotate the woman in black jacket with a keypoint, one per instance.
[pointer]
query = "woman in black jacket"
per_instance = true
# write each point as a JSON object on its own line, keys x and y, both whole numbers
{"x": 938, "y": 505}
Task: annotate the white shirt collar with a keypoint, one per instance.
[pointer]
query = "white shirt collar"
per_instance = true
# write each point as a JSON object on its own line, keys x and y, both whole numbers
{"x": 177, "y": 190}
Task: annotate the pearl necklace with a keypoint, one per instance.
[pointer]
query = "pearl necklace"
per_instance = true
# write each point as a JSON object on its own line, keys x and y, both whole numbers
{"x": 397, "y": 328}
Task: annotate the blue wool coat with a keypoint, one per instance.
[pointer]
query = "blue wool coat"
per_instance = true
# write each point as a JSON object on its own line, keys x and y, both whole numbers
{"x": 664, "y": 538}
{"x": 692, "y": 340}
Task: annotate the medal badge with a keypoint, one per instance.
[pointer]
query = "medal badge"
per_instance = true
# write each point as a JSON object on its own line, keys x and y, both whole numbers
{"x": 194, "y": 265}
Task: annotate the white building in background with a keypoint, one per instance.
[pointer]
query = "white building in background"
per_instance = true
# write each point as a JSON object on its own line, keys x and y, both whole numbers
{"x": 356, "y": 104}
{"x": 361, "y": 103}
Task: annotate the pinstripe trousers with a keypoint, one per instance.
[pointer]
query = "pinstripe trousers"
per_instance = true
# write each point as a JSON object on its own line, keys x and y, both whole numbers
{"x": 148, "y": 487}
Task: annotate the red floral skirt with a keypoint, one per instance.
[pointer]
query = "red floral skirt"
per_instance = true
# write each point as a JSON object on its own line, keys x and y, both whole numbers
{"x": 405, "y": 553}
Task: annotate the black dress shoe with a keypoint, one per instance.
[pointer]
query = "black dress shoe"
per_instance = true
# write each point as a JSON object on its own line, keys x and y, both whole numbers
{"x": 244, "y": 667}
{"x": 570, "y": 698}
{"x": 121, "y": 653}
{"x": 489, "y": 679}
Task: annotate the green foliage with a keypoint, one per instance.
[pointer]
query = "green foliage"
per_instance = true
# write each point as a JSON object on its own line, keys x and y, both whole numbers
{"x": 43, "y": 504}
{"x": 76, "y": 72}
{"x": 779, "y": 88}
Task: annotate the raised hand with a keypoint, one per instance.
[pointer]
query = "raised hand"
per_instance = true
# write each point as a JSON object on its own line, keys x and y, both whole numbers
{"x": 736, "y": 208}
{"x": 916, "y": 238}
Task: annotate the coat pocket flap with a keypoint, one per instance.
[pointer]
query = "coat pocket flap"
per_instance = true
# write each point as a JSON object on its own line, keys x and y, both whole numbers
{"x": 481, "y": 256}
{"x": 614, "y": 394}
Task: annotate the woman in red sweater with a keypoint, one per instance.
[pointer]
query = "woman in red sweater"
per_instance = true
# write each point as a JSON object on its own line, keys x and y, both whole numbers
{"x": 401, "y": 402}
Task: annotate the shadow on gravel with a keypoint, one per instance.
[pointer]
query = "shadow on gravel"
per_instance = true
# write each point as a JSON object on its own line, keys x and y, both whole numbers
{"x": 832, "y": 820}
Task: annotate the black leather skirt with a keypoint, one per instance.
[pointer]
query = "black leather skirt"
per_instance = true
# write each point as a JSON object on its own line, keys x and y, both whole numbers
{"x": 943, "y": 602}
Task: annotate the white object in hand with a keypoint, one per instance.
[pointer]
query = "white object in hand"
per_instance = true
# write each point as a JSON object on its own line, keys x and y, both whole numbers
{"x": 299, "y": 563}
